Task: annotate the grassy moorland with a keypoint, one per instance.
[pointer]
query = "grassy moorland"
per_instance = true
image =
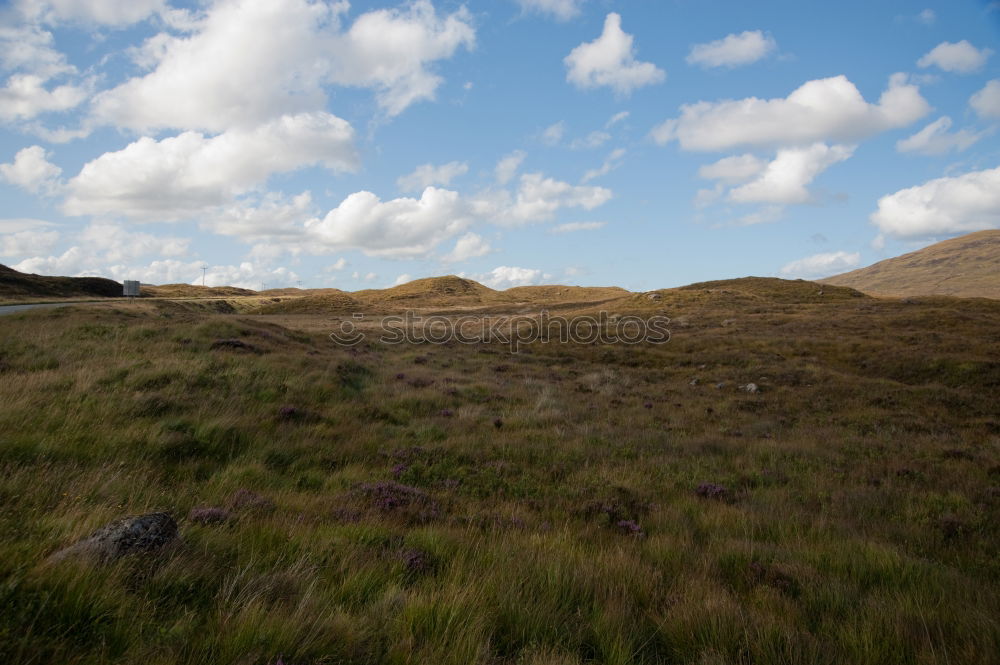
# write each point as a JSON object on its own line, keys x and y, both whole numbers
{"x": 457, "y": 504}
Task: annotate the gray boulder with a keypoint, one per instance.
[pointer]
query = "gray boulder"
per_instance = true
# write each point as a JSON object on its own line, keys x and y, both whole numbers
{"x": 128, "y": 535}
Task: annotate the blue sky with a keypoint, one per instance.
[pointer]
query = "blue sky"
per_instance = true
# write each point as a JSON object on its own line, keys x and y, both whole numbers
{"x": 597, "y": 142}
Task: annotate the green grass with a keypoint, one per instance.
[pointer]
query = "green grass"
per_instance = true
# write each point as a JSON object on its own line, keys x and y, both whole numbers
{"x": 860, "y": 522}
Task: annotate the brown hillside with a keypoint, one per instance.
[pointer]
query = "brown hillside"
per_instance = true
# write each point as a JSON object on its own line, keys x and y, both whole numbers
{"x": 432, "y": 292}
{"x": 193, "y": 291}
{"x": 967, "y": 266}
{"x": 16, "y": 285}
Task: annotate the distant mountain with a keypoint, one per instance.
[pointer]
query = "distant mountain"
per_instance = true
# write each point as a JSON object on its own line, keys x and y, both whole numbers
{"x": 967, "y": 266}
{"x": 16, "y": 285}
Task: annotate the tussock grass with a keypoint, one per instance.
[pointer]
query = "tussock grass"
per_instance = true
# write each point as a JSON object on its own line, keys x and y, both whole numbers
{"x": 455, "y": 504}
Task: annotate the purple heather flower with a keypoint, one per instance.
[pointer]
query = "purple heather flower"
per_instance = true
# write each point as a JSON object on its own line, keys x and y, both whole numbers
{"x": 400, "y": 469}
{"x": 648, "y": 405}
{"x": 629, "y": 527}
{"x": 712, "y": 491}
{"x": 400, "y": 376}
{"x": 208, "y": 515}
{"x": 288, "y": 412}
{"x": 446, "y": 413}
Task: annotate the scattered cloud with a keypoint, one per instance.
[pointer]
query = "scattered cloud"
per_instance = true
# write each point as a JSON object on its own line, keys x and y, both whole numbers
{"x": 733, "y": 50}
{"x": 986, "y": 102}
{"x": 784, "y": 179}
{"x": 403, "y": 279}
{"x": 25, "y": 96}
{"x": 592, "y": 140}
{"x": 32, "y": 171}
{"x": 613, "y": 161}
{"x": 822, "y": 265}
{"x": 505, "y": 277}
{"x": 959, "y": 57}
{"x": 182, "y": 176}
{"x": 553, "y": 134}
{"x": 609, "y": 61}
{"x": 538, "y": 198}
{"x": 927, "y": 17}
{"x": 469, "y": 246}
{"x": 507, "y": 167}
{"x": 942, "y": 207}
{"x": 621, "y": 116}
{"x": 561, "y": 10}
{"x": 573, "y": 227}
{"x": 828, "y": 109}
{"x": 935, "y": 139}
{"x": 426, "y": 175}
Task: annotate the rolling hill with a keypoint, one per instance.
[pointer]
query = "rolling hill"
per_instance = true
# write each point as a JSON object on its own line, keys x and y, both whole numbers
{"x": 967, "y": 267}
{"x": 16, "y": 285}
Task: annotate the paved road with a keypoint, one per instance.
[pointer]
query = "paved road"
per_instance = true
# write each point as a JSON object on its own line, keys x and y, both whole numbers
{"x": 10, "y": 309}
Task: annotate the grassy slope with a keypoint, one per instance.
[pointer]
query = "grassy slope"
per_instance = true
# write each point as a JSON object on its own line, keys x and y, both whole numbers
{"x": 967, "y": 266}
{"x": 18, "y": 286}
{"x": 860, "y": 524}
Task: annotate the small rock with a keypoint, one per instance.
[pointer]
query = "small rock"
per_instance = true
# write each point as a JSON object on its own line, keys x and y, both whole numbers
{"x": 720, "y": 385}
{"x": 653, "y": 296}
{"x": 208, "y": 515}
{"x": 128, "y": 535}
{"x": 750, "y": 388}
{"x": 693, "y": 382}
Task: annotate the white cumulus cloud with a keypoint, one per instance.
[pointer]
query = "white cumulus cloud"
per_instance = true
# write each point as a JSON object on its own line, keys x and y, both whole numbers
{"x": 179, "y": 176}
{"x": 822, "y": 265}
{"x": 31, "y": 170}
{"x": 25, "y": 96}
{"x": 248, "y": 61}
{"x": 960, "y": 57}
{"x": 830, "y": 109}
{"x": 469, "y": 246}
{"x": 733, "y": 50}
{"x": 101, "y": 12}
{"x": 399, "y": 228}
{"x": 943, "y": 206}
{"x": 610, "y": 61}
{"x": 504, "y": 277}
{"x": 538, "y": 198}
{"x": 784, "y": 179}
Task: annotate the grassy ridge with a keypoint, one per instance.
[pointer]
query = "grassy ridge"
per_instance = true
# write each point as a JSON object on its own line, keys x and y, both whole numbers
{"x": 964, "y": 266}
{"x": 18, "y": 286}
{"x": 457, "y": 504}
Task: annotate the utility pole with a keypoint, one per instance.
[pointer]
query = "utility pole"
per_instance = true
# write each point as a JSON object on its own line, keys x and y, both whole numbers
{"x": 204, "y": 269}
{"x": 262, "y": 285}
